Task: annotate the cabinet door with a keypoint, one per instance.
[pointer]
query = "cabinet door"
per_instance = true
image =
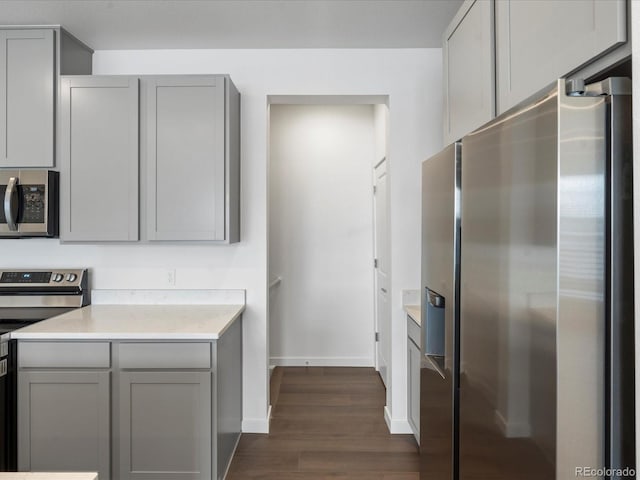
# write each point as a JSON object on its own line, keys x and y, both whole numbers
{"x": 414, "y": 388}
{"x": 64, "y": 421}
{"x": 469, "y": 79}
{"x": 185, "y": 158}
{"x": 27, "y": 79}
{"x": 99, "y": 185}
{"x": 165, "y": 425}
{"x": 537, "y": 42}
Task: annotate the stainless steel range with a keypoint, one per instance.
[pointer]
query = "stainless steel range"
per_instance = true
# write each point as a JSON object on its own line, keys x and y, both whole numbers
{"x": 26, "y": 297}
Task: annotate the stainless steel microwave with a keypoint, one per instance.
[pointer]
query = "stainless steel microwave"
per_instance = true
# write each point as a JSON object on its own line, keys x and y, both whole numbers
{"x": 29, "y": 203}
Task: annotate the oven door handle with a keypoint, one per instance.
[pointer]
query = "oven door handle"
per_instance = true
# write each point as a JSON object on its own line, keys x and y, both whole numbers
{"x": 11, "y": 204}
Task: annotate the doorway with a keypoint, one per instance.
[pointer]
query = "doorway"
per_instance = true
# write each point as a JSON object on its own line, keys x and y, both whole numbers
{"x": 322, "y": 299}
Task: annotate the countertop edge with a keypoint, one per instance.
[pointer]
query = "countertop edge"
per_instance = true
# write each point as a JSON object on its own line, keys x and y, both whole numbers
{"x": 237, "y": 315}
{"x": 18, "y": 335}
{"x": 412, "y": 311}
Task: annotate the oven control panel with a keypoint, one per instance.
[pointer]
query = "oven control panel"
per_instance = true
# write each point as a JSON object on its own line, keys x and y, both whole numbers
{"x": 25, "y": 277}
{"x": 42, "y": 277}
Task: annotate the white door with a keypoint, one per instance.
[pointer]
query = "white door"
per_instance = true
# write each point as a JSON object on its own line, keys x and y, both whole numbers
{"x": 381, "y": 263}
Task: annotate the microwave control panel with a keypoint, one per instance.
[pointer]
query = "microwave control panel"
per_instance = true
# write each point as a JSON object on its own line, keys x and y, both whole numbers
{"x": 33, "y": 203}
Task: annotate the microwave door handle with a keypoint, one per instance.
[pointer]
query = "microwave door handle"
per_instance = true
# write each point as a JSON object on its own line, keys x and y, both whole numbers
{"x": 11, "y": 204}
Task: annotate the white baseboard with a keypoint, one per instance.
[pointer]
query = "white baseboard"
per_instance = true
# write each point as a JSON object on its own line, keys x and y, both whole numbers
{"x": 321, "y": 361}
{"x": 257, "y": 425}
{"x": 396, "y": 426}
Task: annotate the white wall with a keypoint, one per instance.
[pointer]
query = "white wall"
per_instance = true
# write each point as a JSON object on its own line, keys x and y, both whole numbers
{"x": 411, "y": 78}
{"x": 321, "y": 235}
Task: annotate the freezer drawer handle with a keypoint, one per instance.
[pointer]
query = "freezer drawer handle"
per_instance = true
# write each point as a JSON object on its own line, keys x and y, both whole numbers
{"x": 11, "y": 204}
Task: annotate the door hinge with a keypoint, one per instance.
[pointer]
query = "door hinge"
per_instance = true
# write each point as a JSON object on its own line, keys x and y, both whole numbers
{"x": 377, "y": 335}
{"x": 374, "y": 189}
{"x": 375, "y": 263}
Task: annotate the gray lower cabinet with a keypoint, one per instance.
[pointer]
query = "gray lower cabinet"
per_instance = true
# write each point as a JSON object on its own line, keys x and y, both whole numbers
{"x": 131, "y": 410}
{"x": 228, "y": 389}
{"x": 99, "y": 150}
{"x": 192, "y": 413}
{"x": 413, "y": 377}
{"x": 167, "y": 412}
{"x": 64, "y": 420}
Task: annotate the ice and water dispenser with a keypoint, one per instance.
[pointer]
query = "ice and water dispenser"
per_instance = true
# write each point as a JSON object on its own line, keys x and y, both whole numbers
{"x": 433, "y": 330}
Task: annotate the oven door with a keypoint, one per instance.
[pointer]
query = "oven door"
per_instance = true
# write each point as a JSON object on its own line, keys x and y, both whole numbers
{"x": 9, "y": 409}
{"x": 9, "y": 396}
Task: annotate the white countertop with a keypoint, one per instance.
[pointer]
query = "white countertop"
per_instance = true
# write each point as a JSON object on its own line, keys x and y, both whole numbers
{"x": 414, "y": 312}
{"x": 48, "y": 476}
{"x": 140, "y": 322}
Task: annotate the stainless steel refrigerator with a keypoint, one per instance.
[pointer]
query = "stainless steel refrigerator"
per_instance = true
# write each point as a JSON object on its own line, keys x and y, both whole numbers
{"x": 440, "y": 313}
{"x": 546, "y": 336}
{"x": 544, "y": 387}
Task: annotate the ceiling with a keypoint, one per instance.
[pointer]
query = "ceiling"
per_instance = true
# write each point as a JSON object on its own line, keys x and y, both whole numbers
{"x": 145, "y": 24}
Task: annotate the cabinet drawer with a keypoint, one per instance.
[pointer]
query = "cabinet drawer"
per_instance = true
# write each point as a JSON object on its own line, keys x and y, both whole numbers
{"x": 64, "y": 355}
{"x": 164, "y": 355}
{"x": 413, "y": 331}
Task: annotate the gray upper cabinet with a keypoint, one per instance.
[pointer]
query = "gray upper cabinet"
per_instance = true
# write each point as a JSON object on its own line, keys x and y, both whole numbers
{"x": 185, "y": 157}
{"x": 30, "y": 61}
{"x": 538, "y": 42}
{"x": 192, "y": 158}
{"x": 181, "y": 132}
{"x": 27, "y": 100}
{"x": 99, "y": 153}
{"x": 468, "y": 51}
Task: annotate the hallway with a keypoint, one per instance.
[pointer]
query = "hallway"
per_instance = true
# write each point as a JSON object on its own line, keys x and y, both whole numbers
{"x": 327, "y": 423}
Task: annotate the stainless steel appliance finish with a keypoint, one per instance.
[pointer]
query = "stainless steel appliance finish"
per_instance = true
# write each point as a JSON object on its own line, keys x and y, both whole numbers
{"x": 546, "y": 329}
{"x": 28, "y": 296}
{"x": 29, "y": 200}
{"x": 440, "y": 313}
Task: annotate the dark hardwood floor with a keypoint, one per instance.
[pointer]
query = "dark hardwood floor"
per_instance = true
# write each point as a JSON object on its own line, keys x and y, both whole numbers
{"x": 327, "y": 423}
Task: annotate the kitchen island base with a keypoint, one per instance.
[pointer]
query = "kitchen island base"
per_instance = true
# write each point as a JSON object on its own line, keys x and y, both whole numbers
{"x": 131, "y": 409}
